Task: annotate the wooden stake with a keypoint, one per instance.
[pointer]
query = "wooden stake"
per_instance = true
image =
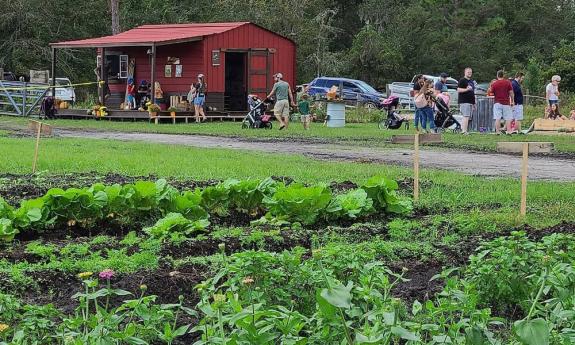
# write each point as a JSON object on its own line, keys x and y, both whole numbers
{"x": 416, "y": 168}
{"x": 524, "y": 172}
{"x": 36, "y": 149}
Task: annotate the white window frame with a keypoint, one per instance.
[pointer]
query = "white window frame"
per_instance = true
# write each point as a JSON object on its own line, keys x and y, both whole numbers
{"x": 124, "y": 62}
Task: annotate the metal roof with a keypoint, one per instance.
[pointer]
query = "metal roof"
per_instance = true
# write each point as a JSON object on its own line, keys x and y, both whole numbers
{"x": 147, "y": 35}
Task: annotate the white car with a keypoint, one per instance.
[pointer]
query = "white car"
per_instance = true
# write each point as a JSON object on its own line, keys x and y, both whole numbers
{"x": 63, "y": 91}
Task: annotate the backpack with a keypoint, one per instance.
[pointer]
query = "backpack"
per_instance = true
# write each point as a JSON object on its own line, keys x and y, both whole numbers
{"x": 420, "y": 101}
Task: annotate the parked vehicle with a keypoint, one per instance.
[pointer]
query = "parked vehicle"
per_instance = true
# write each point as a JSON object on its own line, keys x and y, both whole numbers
{"x": 353, "y": 91}
{"x": 64, "y": 91}
{"x": 9, "y": 76}
{"x": 300, "y": 90}
{"x": 403, "y": 90}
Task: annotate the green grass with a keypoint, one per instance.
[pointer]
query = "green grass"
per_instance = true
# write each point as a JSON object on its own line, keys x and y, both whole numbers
{"x": 496, "y": 199}
{"x": 362, "y": 134}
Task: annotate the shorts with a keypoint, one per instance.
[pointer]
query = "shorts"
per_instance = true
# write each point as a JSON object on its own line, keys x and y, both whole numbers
{"x": 553, "y": 101}
{"x": 501, "y": 111}
{"x": 200, "y": 100}
{"x": 305, "y": 118}
{"x": 466, "y": 109}
{"x": 282, "y": 108}
{"x": 130, "y": 98}
{"x": 518, "y": 112}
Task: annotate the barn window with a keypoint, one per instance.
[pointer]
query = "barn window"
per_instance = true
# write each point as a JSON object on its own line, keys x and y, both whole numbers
{"x": 123, "y": 66}
{"x": 117, "y": 65}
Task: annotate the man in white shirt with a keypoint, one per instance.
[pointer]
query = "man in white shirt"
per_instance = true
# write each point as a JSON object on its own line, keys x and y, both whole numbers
{"x": 552, "y": 90}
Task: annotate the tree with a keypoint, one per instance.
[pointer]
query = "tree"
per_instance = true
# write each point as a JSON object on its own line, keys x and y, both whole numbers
{"x": 115, "y": 13}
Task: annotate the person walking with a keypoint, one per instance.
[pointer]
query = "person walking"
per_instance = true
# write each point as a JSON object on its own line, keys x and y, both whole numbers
{"x": 503, "y": 93}
{"x": 418, "y": 83}
{"x": 552, "y": 90}
{"x": 518, "y": 100}
{"x": 466, "y": 99}
{"x": 199, "y": 94}
{"x": 423, "y": 103}
{"x": 284, "y": 97}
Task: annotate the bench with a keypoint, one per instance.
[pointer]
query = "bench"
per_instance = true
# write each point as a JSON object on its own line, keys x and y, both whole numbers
{"x": 187, "y": 117}
{"x": 554, "y": 125}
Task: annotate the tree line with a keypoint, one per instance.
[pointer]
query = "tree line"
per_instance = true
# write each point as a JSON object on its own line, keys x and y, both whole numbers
{"x": 378, "y": 41}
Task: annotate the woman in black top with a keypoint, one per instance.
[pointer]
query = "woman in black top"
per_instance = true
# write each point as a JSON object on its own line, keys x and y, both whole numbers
{"x": 199, "y": 94}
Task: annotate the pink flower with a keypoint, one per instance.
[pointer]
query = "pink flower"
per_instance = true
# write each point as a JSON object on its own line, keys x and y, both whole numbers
{"x": 106, "y": 274}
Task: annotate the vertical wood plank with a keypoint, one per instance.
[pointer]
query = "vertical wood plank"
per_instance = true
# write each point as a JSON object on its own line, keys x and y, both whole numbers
{"x": 416, "y": 168}
{"x": 39, "y": 125}
{"x": 524, "y": 172}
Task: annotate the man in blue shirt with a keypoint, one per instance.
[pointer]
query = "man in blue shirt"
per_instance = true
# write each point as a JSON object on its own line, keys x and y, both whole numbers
{"x": 440, "y": 83}
{"x": 518, "y": 100}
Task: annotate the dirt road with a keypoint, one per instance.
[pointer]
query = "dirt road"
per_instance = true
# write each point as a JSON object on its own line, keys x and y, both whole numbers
{"x": 472, "y": 163}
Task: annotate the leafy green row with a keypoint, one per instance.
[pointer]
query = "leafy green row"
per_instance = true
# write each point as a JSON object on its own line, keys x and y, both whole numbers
{"x": 189, "y": 211}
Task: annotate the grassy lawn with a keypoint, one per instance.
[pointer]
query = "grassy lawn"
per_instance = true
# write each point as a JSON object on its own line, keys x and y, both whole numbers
{"x": 364, "y": 134}
{"x": 488, "y": 199}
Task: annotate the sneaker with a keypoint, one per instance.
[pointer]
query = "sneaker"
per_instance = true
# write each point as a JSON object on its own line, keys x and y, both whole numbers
{"x": 514, "y": 132}
{"x": 465, "y": 133}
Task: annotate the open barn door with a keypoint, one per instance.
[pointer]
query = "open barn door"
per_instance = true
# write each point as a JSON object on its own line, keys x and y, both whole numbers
{"x": 259, "y": 72}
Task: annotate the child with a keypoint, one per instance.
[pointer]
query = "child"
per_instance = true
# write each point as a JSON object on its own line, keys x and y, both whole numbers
{"x": 304, "y": 110}
{"x": 131, "y": 97}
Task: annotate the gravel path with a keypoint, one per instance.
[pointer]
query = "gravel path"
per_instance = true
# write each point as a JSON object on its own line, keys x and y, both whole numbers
{"x": 472, "y": 163}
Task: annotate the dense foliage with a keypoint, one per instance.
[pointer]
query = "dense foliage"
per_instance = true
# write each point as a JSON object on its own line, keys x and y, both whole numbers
{"x": 376, "y": 40}
{"x": 183, "y": 213}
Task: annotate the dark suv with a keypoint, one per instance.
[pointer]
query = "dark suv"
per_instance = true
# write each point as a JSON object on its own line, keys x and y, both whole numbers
{"x": 353, "y": 90}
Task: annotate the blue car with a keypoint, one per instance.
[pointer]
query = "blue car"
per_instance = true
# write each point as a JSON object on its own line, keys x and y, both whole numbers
{"x": 354, "y": 91}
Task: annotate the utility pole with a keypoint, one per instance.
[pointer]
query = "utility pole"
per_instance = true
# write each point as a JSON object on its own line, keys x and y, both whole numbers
{"x": 115, "y": 11}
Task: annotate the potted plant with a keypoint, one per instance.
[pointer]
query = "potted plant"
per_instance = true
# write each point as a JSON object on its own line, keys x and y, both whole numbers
{"x": 172, "y": 111}
{"x": 153, "y": 110}
{"x": 96, "y": 111}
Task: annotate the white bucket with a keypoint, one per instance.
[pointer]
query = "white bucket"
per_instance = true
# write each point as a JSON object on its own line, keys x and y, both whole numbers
{"x": 335, "y": 114}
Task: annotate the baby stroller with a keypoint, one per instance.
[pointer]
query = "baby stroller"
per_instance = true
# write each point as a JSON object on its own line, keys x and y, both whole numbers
{"x": 256, "y": 117}
{"x": 443, "y": 117}
{"x": 393, "y": 120}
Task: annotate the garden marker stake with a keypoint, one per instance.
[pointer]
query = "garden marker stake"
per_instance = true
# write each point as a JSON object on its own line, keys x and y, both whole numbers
{"x": 39, "y": 124}
{"x": 524, "y": 172}
{"x": 416, "y": 168}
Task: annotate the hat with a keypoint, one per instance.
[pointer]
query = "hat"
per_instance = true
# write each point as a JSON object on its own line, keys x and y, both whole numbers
{"x": 444, "y": 88}
{"x": 278, "y": 75}
{"x": 444, "y": 75}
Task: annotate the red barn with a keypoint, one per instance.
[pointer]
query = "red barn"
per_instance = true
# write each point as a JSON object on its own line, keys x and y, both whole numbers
{"x": 237, "y": 59}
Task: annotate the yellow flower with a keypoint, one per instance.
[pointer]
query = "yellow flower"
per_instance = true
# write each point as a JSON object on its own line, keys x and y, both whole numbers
{"x": 143, "y": 287}
{"x": 85, "y": 275}
{"x": 3, "y": 327}
{"x": 248, "y": 280}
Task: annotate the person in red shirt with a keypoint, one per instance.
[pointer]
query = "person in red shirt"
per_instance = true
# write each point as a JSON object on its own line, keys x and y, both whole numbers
{"x": 503, "y": 93}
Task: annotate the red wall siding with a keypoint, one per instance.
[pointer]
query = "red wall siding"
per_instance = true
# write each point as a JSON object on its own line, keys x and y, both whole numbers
{"x": 246, "y": 37}
{"x": 196, "y": 57}
{"x": 190, "y": 55}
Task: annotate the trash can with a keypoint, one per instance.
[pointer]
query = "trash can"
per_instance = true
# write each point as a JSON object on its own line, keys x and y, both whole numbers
{"x": 482, "y": 116}
{"x": 335, "y": 114}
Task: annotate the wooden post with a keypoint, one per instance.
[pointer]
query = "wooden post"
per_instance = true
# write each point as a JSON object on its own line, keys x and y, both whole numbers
{"x": 103, "y": 77}
{"x": 524, "y": 172}
{"x": 36, "y": 149}
{"x": 153, "y": 74}
{"x": 53, "y": 72}
{"x": 416, "y": 168}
